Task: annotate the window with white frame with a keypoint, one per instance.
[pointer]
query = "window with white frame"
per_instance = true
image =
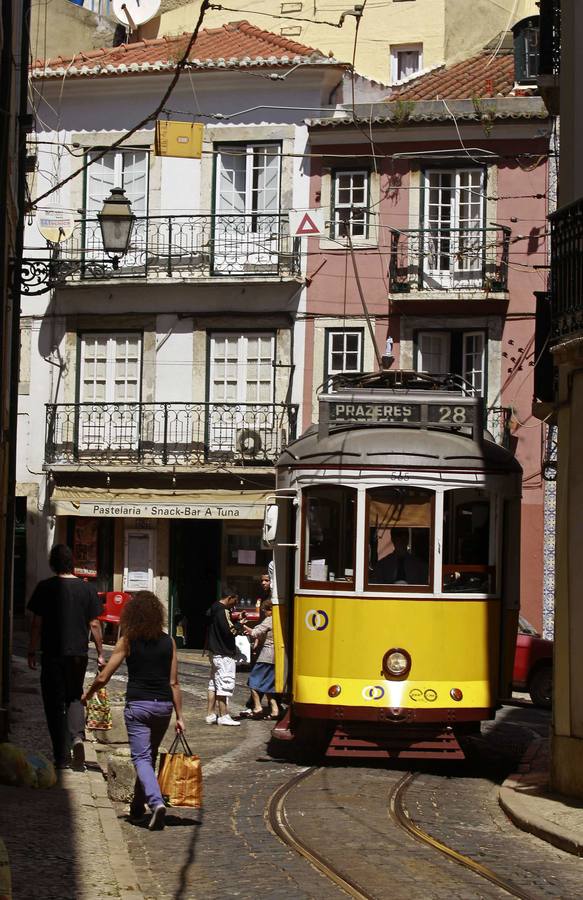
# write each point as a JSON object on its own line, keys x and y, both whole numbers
{"x": 248, "y": 180}
{"x": 110, "y": 368}
{"x": 454, "y": 222}
{"x": 127, "y": 169}
{"x": 350, "y": 203}
{"x": 241, "y": 367}
{"x": 344, "y": 351}
{"x": 241, "y": 392}
{"x": 109, "y": 389}
{"x": 456, "y": 352}
{"x": 406, "y": 60}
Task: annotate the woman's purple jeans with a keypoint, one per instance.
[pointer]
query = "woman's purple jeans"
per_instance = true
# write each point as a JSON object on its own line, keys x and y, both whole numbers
{"x": 146, "y": 722}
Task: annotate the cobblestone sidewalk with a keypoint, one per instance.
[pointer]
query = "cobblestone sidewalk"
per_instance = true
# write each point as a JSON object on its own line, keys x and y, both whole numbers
{"x": 65, "y": 842}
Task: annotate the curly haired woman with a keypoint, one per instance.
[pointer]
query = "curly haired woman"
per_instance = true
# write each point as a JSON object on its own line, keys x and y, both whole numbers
{"x": 152, "y": 692}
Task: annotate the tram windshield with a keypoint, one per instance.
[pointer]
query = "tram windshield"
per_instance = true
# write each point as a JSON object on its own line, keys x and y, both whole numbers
{"x": 467, "y": 542}
{"x": 400, "y": 521}
{"x": 329, "y": 533}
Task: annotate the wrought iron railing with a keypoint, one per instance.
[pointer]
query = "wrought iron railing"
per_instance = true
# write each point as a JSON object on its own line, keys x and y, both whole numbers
{"x": 550, "y": 37}
{"x": 236, "y": 434}
{"x": 567, "y": 270}
{"x": 172, "y": 246}
{"x": 498, "y": 420}
{"x": 451, "y": 259}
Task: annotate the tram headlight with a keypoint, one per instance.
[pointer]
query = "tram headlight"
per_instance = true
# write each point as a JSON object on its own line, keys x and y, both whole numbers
{"x": 396, "y": 663}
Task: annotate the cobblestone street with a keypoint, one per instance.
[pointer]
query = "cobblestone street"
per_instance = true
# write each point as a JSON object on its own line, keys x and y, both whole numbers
{"x": 341, "y": 810}
{"x": 230, "y": 851}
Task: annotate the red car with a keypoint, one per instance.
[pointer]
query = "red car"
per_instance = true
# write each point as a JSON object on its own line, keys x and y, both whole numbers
{"x": 533, "y": 665}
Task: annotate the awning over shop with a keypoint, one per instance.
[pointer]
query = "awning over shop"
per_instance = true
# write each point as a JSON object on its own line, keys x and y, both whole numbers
{"x": 139, "y": 504}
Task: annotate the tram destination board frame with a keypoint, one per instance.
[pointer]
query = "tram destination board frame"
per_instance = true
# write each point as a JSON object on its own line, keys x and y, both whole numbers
{"x": 436, "y": 409}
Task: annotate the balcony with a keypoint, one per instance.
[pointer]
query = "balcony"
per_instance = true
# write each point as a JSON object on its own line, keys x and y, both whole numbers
{"x": 444, "y": 260}
{"x": 166, "y": 247}
{"x": 167, "y": 434}
{"x": 566, "y": 283}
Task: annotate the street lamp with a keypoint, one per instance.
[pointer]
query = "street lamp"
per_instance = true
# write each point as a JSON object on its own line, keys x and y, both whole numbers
{"x": 117, "y": 221}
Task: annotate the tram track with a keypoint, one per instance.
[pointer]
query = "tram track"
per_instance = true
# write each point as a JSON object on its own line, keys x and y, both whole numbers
{"x": 278, "y": 821}
{"x": 398, "y": 814}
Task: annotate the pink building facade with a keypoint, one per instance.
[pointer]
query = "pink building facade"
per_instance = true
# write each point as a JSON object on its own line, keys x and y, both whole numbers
{"x": 436, "y": 229}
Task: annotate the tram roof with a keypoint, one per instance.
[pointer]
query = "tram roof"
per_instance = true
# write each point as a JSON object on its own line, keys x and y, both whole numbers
{"x": 372, "y": 446}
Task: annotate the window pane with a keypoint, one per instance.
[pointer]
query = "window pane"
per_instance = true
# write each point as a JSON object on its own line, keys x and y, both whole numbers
{"x": 330, "y": 514}
{"x": 344, "y": 351}
{"x": 400, "y": 536}
{"x": 350, "y": 201}
{"x": 466, "y": 542}
{"x": 231, "y": 175}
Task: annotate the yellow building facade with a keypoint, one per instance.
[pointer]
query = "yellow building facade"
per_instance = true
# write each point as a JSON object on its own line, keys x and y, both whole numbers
{"x": 396, "y": 38}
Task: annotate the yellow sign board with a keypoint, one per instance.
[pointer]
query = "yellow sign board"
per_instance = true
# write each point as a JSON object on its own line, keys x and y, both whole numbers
{"x": 179, "y": 139}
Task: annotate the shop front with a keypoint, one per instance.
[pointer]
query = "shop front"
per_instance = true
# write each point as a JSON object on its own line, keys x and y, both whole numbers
{"x": 181, "y": 546}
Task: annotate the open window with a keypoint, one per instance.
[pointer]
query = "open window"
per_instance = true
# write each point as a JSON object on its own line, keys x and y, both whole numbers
{"x": 468, "y": 551}
{"x": 400, "y": 538}
{"x": 329, "y": 517}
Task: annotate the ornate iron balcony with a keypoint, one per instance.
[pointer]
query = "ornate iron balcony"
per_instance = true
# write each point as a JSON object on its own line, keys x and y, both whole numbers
{"x": 257, "y": 244}
{"x": 182, "y": 434}
{"x": 567, "y": 271}
{"x": 449, "y": 259}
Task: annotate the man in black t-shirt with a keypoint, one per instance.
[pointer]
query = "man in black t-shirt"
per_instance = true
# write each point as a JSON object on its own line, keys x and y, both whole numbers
{"x": 64, "y": 610}
{"x": 223, "y": 654}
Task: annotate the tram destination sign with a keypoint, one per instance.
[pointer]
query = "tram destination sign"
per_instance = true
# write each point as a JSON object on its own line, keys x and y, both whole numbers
{"x": 362, "y": 413}
{"x": 415, "y": 410}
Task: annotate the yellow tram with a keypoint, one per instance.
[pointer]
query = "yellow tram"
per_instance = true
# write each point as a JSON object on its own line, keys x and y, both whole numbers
{"x": 395, "y": 528}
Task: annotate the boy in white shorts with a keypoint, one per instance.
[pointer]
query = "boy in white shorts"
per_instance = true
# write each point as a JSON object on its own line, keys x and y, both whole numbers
{"x": 223, "y": 654}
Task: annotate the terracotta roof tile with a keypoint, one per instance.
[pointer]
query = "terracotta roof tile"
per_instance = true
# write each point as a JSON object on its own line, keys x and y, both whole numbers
{"x": 480, "y": 76}
{"x": 233, "y": 44}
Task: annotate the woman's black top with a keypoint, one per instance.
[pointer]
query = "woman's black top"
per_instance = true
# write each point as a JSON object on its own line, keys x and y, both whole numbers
{"x": 149, "y": 669}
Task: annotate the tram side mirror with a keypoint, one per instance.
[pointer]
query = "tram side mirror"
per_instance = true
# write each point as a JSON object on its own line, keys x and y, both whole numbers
{"x": 270, "y": 524}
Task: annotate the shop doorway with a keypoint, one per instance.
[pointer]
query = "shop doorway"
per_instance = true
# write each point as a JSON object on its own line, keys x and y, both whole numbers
{"x": 195, "y": 572}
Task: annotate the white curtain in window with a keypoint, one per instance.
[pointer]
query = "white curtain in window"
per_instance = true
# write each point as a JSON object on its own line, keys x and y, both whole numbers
{"x": 407, "y": 63}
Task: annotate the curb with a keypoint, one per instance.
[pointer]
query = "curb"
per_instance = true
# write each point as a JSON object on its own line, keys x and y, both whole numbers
{"x": 117, "y": 852}
{"x": 527, "y": 801}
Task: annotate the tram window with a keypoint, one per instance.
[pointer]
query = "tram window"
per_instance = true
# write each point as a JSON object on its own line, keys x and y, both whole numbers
{"x": 330, "y": 514}
{"x": 466, "y": 542}
{"x": 400, "y": 536}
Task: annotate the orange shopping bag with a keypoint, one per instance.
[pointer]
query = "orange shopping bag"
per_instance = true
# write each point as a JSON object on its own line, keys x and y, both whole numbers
{"x": 180, "y": 775}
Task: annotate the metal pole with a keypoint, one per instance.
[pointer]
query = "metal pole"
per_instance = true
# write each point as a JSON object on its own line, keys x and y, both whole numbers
{"x": 362, "y": 300}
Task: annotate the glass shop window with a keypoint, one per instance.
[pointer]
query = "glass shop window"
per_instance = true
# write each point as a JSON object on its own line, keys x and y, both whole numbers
{"x": 400, "y": 542}
{"x": 329, "y": 534}
{"x": 468, "y": 553}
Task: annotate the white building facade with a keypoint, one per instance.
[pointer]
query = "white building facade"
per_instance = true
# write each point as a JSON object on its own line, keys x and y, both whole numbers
{"x": 157, "y": 391}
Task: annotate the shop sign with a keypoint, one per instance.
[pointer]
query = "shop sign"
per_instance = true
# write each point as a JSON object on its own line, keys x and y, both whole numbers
{"x": 131, "y": 509}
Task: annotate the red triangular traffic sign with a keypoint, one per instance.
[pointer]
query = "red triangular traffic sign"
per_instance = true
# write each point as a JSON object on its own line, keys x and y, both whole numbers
{"x": 307, "y": 226}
